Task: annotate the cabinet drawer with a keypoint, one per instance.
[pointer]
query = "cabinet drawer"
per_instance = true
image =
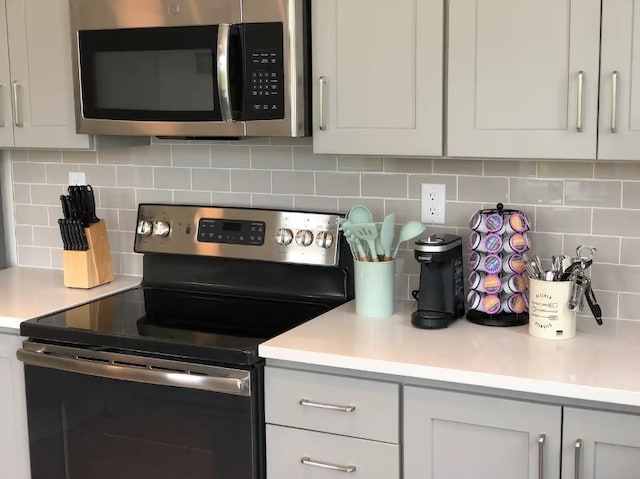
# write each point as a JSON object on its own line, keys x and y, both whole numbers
{"x": 287, "y": 447}
{"x": 295, "y": 398}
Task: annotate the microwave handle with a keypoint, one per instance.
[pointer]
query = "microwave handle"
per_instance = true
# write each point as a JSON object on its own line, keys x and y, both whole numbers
{"x": 224, "y": 93}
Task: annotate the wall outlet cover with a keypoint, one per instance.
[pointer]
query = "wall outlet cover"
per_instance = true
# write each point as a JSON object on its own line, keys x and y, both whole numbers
{"x": 77, "y": 178}
{"x": 433, "y": 203}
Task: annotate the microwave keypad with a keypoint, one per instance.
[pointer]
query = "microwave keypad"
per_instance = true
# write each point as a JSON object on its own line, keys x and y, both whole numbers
{"x": 266, "y": 100}
{"x": 265, "y": 71}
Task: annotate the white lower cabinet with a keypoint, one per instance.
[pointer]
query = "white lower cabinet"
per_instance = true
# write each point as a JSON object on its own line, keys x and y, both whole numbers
{"x": 454, "y": 435}
{"x": 295, "y": 453}
{"x": 600, "y": 445}
{"x": 14, "y": 438}
{"x": 319, "y": 425}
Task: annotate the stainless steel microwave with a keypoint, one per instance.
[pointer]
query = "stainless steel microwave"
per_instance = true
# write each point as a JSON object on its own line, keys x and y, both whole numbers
{"x": 191, "y": 68}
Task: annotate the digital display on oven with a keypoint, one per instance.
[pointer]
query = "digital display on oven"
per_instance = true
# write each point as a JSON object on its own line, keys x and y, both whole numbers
{"x": 244, "y": 232}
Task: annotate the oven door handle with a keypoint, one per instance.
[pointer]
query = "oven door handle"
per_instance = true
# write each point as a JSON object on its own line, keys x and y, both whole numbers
{"x": 137, "y": 369}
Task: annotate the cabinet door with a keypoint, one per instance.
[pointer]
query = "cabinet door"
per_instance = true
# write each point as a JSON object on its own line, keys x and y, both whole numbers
{"x": 6, "y": 123}
{"x": 377, "y": 67}
{"x": 619, "y": 135}
{"x": 609, "y": 444}
{"x": 455, "y": 435}
{"x": 40, "y": 58}
{"x": 14, "y": 443}
{"x": 523, "y": 78}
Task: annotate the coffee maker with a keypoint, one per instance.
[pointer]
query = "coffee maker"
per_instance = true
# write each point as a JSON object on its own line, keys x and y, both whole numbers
{"x": 441, "y": 293}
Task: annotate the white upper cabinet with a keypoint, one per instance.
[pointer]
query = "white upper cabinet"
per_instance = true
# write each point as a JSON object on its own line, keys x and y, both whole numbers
{"x": 523, "y": 78}
{"x": 377, "y": 73}
{"x": 619, "y": 135}
{"x": 40, "y": 87}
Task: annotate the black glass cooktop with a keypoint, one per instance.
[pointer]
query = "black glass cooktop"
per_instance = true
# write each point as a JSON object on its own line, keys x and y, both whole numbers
{"x": 218, "y": 328}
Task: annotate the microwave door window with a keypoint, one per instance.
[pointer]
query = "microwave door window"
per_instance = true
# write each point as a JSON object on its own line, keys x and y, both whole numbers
{"x": 154, "y": 74}
{"x": 154, "y": 80}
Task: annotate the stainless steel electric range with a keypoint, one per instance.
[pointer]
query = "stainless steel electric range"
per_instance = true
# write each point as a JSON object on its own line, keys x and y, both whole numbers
{"x": 164, "y": 380}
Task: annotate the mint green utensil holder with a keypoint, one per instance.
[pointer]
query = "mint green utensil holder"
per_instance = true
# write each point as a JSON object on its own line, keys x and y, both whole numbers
{"x": 375, "y": 288}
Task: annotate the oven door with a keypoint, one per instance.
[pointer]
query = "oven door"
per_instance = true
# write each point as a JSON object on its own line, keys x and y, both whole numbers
{"x": 104, "y": 415}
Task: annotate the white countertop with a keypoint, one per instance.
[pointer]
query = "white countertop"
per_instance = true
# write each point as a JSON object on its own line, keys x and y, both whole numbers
{"x": 27, "y": 293}
{"x": 602, "y": 363}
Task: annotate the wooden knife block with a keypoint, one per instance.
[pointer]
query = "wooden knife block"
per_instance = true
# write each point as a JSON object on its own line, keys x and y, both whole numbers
{"x": 87, "y": 269}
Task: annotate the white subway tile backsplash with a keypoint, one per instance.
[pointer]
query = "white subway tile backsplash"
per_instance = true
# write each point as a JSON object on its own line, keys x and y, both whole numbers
{"x": 592, "y": 193}
{"x": 293, "y": 182}
{"x": 304, "y": 159}
{"x": 565, "y": 169}
{"x": 134, "y": 176}
{"x": 29, "y": 173}
{"x": 250, "y": 181}
{"x": 527, "y": 191}
{"x": 337, "y": 184}
{"x": 559, "y": 197}
{"x": 35, "y": 256}
{"x": 483, "y": 188}
{"x": 272, "y": 157}
{"x": 210, "y": 179}
{"x": 58, "y": 174}
{"x": 191, "y": 155}
{"x": 172, "y": 178}
{"x": 387, "y": 185}
{"x": 224, "y": 156}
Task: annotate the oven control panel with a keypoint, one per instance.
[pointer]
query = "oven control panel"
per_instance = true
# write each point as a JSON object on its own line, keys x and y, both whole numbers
{"x": 246, "y": 233}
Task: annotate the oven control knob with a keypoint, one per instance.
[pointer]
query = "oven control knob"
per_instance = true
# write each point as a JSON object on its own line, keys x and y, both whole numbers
{"x": 304, "y": 237}
{"x": 324, "y": 239}
{"x": 161, "y": 228}
{"x": 284, "y": 236}
{"x": 145, "y": 227}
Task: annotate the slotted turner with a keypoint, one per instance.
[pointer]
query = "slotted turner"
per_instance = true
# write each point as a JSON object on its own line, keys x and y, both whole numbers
{"x": 367, "y": 232}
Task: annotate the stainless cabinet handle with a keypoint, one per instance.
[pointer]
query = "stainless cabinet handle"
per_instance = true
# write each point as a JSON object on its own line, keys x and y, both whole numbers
{"x": 224, "y": 90}
{"x": 307, "y": 461}
{"x": 322, "y": 82}
{"x": 1, "y": 120}
{"x": 576, "y": 464}
{"x": 614, "y": 101}
{"x": 15, "y": 87}
{"x": 334, "y": 407}
{"x": 580, "y": 97}
{"x": 541, "y": 439}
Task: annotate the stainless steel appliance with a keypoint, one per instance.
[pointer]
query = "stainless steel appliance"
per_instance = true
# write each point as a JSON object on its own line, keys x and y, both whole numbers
{"x": 441, "y": 293}
{"x": 191, "y": 68}
{"x": 164, "y": 380}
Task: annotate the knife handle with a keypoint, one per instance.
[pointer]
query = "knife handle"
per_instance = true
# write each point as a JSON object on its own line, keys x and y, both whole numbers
{"x": 63, "y": 233}
{"x": 91, "y": 205}
{"x": 595, "y": 308}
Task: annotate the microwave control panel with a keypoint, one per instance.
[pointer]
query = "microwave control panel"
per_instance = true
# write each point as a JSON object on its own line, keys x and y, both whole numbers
{"x": 264, "y": 98}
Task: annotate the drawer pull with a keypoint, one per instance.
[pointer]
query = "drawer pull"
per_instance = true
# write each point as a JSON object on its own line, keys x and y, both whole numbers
{"x": 307, "y": 461}
{"x": 541, "y": 440}
{"x": 333, "y": 407}
{"x": 576, "y": 462}
{"x": 580, "y": 98}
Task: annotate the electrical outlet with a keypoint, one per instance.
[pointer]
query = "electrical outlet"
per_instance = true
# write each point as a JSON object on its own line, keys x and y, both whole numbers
{"x": 433, "y": 203}
{"x": 77, "y": 178}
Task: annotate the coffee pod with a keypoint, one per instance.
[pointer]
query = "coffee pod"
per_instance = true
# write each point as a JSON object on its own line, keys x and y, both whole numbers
{"x": 490, "y": 243}
{"x": 490, "y": 304}
{"x": 514, "y": 303}
{"x": 514, "y": 263}
{"x": 473, "y": 299}
{"x": 490, "y": 263}
{"x": 482, "y": 223}
{"x": 474, "y": 261}
{"x": 486, "y": 283}
{"x": 516, "y": 223}
{"x": 516, "y": 243}
{"x": 515, "y": 283}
